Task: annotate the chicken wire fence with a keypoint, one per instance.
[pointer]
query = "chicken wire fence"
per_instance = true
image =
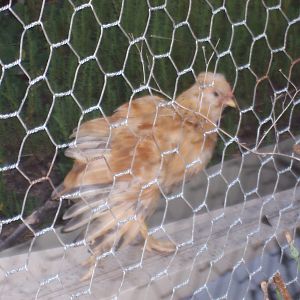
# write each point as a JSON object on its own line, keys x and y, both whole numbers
{"x": 234, "y": 224}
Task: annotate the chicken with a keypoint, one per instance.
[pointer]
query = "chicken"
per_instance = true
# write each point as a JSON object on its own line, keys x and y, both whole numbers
{"x": 123, "y": 162}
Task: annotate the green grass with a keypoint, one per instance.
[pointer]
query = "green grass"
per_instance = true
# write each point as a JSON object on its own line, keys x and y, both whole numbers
{"x": 87, "y": 81}
{"x": 11, "y": 201}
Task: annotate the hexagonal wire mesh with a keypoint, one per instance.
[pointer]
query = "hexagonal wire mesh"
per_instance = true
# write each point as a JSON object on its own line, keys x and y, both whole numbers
{"x": 232, "y": 226}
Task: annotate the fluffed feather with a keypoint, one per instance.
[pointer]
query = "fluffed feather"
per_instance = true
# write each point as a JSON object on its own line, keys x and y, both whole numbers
{"x": 121, "y": 162}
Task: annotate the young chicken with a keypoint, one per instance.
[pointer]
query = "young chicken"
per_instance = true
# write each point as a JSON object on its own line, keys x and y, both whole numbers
{"x": 123, "y": 162}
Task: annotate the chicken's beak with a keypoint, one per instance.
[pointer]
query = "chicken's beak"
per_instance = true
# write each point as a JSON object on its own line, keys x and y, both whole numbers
{"x": 230, "y": 101}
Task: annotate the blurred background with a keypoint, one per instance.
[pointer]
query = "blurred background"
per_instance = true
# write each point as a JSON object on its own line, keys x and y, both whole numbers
{"x": 65, "y": 61}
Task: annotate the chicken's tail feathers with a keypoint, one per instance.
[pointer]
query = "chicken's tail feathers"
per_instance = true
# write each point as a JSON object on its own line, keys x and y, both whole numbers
{"x": 91, "y": 140}
{"x": 92, "y": 177}
{"x": 113, "y": 219}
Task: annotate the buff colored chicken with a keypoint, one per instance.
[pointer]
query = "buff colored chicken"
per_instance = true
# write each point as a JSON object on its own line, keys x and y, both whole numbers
{"x": 122, "y": 162}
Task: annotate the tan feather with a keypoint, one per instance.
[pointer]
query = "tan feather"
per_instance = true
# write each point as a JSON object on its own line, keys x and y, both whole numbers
{"x": 146, "y": 142}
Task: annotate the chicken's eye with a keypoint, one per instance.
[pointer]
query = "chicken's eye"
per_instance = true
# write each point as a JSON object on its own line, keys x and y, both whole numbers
{"x": 216, "y": 94}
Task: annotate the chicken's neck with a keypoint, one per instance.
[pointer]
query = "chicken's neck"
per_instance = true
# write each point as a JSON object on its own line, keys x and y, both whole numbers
{"x": 194, "y": 118}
